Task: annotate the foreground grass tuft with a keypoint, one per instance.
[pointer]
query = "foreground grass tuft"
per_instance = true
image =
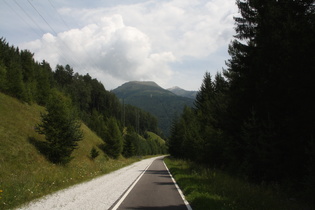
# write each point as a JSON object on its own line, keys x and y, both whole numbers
{"x": 213, "y": 189}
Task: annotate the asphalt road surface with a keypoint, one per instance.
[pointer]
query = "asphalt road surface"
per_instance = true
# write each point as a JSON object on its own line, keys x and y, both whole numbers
{"x": 153, "y": 191}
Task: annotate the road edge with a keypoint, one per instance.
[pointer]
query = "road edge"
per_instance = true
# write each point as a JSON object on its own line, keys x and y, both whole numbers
{"x": 178, "y": 189}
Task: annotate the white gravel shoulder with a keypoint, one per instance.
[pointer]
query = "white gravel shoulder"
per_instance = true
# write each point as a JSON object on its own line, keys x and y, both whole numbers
{"x": 99, "y": 193}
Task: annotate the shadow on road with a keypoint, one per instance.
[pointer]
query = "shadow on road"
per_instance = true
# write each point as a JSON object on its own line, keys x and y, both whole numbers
{"x": 164, "y": 183}
{"x": 159, "y": 172}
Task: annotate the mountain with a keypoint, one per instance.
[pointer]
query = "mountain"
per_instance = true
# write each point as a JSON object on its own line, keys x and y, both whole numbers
{"x": 181, "y": 92}
{"x": 136, "y": 88}
{"x": 151, "y": 97}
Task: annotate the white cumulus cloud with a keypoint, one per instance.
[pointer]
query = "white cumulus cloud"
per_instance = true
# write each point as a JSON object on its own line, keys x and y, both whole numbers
{"x": 107, "y": 47}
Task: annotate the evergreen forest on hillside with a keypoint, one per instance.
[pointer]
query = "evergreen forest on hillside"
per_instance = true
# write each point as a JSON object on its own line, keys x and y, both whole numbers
{"x": 256, "y": 119}
{"x": 32, "y": 82}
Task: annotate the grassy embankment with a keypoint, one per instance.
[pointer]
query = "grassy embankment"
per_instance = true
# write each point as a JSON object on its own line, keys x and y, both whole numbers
{"x": 214, "y": 189}
{"x": 25, "y": 174}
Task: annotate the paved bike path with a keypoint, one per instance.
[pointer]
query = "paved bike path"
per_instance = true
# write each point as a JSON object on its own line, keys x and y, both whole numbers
{"x": 154, "y": 190}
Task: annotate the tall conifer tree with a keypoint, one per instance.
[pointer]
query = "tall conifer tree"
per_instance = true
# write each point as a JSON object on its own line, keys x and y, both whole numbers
{"x": 113, "y": 139}
{"x": 61, "y": 128}
{"x": 271, "y": 76}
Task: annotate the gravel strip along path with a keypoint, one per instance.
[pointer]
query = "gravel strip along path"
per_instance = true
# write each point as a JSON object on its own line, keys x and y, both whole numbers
{"x": 99, "y": 193}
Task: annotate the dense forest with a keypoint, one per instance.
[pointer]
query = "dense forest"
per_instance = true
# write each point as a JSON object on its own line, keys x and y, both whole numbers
{"x": 32, "y": 82}
{"x": 256, "y": 119}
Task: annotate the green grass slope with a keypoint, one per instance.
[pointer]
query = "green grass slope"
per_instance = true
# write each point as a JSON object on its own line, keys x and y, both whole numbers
{"x": 157, "y": 137}
{"x": 25, "y": 174}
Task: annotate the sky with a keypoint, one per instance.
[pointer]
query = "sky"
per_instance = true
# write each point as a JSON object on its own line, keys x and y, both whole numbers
{"x": 171, "y": 42}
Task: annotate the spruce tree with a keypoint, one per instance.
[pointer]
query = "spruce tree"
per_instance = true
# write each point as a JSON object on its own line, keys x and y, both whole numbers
{"x": 130, "y": 140}
{"x": 60, "y": 127}
{"x": 211, "y": 105}
{"x": 113, "y": 139}
{"x": 176, "y": 138}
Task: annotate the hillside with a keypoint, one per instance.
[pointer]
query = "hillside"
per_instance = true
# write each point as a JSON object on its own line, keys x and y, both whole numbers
{"x": 181, "y": 92}
{"x": 25, "y": 173}
{"x": 150, "y": 97}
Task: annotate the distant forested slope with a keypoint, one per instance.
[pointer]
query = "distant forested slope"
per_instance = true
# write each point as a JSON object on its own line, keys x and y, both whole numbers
{"x": 148, "y": 96}
{"x": 181, "y": 92}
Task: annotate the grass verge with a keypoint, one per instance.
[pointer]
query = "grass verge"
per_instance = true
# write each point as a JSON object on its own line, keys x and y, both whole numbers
{"x": 213, "y": 189}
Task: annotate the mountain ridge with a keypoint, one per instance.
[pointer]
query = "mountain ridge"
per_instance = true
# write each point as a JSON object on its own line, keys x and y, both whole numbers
{"x": 184, "y": 93}
{"x": 146, "y": 87}
{"x": 149, "y": 96}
